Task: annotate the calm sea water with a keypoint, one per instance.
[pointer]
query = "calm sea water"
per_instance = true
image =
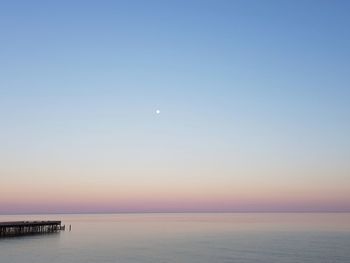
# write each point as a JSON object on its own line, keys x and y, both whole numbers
{"x": 185, "y": 238}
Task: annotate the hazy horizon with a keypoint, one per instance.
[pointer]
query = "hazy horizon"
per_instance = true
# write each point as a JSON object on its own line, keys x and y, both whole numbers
{"x": 4, "y": 215}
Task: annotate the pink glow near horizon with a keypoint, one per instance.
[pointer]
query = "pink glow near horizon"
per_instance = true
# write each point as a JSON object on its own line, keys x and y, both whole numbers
{"x": 174, "y": 204}
{"x": 174, "y": 195}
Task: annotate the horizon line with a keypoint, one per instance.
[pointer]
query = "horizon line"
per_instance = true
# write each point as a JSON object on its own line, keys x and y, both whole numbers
{"x": 181, "y": 212}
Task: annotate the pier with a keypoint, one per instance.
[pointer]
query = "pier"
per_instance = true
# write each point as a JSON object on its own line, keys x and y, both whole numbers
{"x": 19, "y": 228}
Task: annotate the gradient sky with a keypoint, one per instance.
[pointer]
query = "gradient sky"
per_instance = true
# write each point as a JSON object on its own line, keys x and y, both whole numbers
{"x": 254, "y": 99}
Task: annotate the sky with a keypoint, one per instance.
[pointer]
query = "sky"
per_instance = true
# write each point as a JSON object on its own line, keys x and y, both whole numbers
{"x": 253, "y": 100}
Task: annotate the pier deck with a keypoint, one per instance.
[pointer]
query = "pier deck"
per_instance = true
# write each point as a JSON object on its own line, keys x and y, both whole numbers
{"x": 17, "y": 228}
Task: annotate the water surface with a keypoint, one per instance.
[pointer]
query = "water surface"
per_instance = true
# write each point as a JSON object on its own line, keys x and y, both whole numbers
{"x": 187, "y": 238}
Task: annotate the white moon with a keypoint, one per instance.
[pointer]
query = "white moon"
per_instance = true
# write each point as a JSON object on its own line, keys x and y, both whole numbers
{"x": 157, "y": 111}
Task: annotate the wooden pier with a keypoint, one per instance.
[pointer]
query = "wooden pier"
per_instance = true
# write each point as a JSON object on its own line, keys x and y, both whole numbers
{"x": 19, "y": 228}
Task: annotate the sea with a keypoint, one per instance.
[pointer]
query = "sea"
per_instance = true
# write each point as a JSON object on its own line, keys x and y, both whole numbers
{"x": 185, "y": 238}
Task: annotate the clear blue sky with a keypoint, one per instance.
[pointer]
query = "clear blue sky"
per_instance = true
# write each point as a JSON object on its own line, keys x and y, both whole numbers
{"x": 253, "y": 95}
